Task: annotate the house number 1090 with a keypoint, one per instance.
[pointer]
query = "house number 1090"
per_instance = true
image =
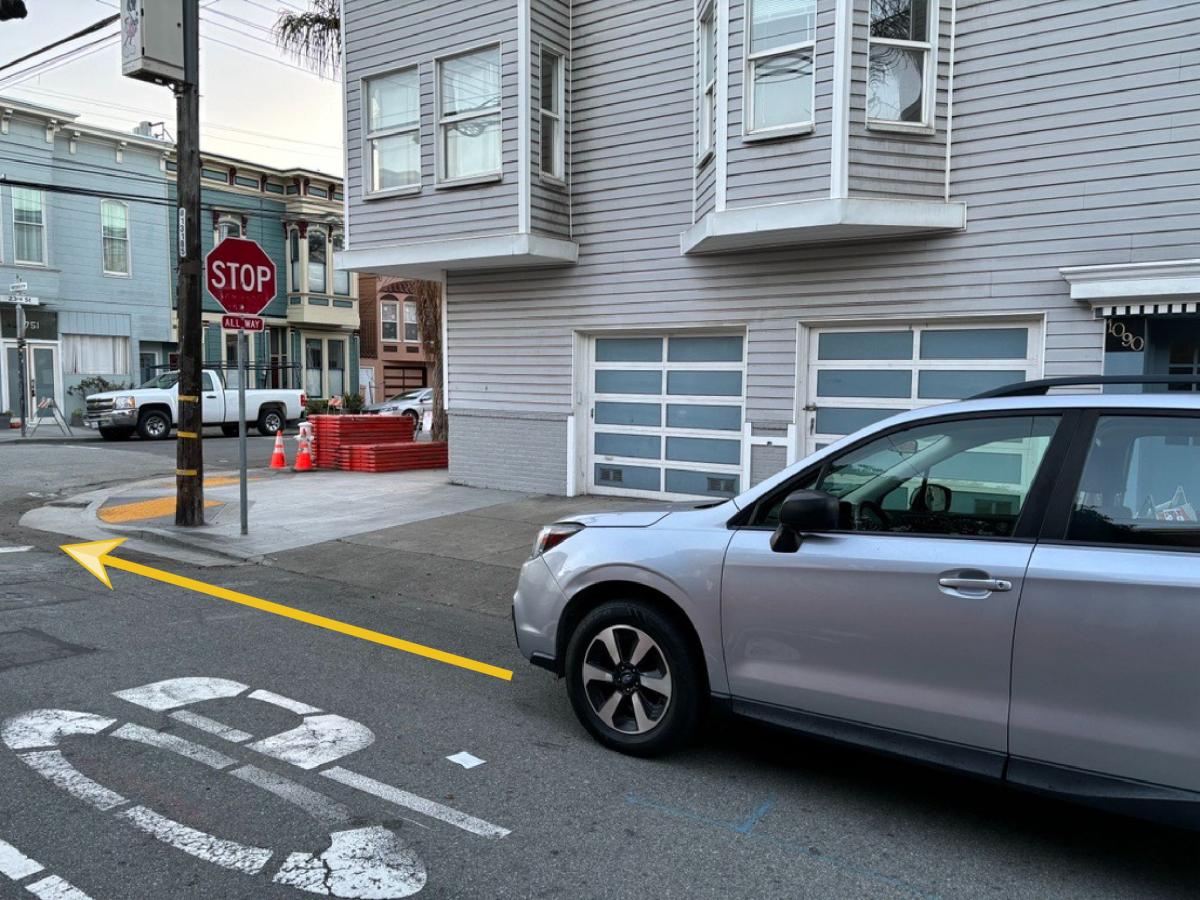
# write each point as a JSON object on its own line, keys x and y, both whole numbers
{"x": 1129, "y": 341}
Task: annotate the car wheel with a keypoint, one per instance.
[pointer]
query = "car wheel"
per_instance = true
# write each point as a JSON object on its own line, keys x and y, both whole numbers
{"x": 270, "y": 422}
{"x": 230, "y": 430}
{"x": 154, "y": 426}
{"x": 415, "y": 419}
{"x": 116, "y": 434}
{"x": 632, "y": 680}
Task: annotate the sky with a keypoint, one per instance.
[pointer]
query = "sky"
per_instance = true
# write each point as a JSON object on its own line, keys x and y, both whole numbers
{"x": 256, "y": 102}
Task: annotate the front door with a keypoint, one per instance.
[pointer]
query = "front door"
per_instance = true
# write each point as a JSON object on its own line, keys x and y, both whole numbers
{"x": 42, "y": 378}
{"x": 903, "y": 619}
{"x": 1106, "y": 662}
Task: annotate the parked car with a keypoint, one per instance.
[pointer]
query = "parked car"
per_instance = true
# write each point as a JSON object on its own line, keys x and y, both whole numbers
{"x": 152, "y": 409}
{"x": 413, "y": 404}
{"x": 1008, "y": 586}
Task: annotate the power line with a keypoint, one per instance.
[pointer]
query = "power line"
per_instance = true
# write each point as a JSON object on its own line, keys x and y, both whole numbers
{"x": 95, "y": 26}
{"x": 55, "y": 63}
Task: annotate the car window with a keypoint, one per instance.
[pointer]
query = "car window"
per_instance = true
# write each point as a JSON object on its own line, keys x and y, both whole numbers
{"x": 163, "y": 382}
{"x": 968, "y": 477}
{"x": 1141, "y": 483}
{"x": 208, "y": 382}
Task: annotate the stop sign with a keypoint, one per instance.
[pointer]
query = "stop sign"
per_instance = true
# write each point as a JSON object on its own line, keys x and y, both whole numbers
{"x": 240, "y": 275}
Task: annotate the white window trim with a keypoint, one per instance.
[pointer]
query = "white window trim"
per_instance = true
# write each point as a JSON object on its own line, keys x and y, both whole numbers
{"x": 328, "y": 264}
{"x": 333, "y": 270}
{"x": 706, "y": 90}
{"x": 45, "y": 261}
{"x": 227, "y": 218}
{"x": 560, "y": 117}
{"x": 439, "y": 153}
{"x": 399, "y": 323}
{"x": 929, "y": 76}
{"x": 128, "y": 273}
{"x": 368, "y": 184}
{"x": 404, "y": 322}
{"x": 298, "y": 270}
{"x": 788, "y": 129}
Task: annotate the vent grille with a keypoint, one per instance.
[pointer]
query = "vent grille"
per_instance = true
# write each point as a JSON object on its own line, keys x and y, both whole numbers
{"x": 721, "y": 486}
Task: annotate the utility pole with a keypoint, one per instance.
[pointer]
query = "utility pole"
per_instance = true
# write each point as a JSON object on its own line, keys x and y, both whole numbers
{"x": 189, "y": 467}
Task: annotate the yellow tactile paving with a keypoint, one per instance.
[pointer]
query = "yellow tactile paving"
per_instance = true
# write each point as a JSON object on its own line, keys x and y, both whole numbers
{"x": 216, "y": 481}
{"x": 144, "y": 509}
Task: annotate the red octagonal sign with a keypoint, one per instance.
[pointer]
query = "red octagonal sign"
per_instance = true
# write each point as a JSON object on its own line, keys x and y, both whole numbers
{"x": 240, "y": 275}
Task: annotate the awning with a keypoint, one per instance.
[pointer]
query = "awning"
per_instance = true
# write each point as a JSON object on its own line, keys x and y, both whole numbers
{"x": 1146, "y": 309}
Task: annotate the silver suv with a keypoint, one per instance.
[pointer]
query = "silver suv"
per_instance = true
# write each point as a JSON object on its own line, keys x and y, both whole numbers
{"x": 1008, "y": 586}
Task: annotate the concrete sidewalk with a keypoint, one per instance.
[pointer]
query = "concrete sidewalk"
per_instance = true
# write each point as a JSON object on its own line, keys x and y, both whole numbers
{"x": 290, "y": 511}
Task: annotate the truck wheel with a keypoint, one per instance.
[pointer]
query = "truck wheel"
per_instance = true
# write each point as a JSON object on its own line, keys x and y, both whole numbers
{"x": 116, "y": 434}
{"x": 270, "y": 422}
{"x": 154, "y": 425}
{"x": 230, "y": 430}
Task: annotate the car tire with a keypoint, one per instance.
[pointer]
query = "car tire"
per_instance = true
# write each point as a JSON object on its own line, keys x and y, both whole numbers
{"x": 116, "y": 434}
{"x": 230, "y": 430}
{"x": 154, "y": 425}
{"x": 270, "y": 421}
{"x": 415, "y": 419}
{"x": 659, "y": 688}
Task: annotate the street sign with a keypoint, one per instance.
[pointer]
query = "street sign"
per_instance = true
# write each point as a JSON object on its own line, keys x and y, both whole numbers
{"x": 242, "y": 323}
{"x": 241, "y": 276}
{"x": 19, "y": 287}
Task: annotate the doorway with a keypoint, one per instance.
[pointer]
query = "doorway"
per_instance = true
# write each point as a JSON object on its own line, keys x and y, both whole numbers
{"x": 42, "y": 372}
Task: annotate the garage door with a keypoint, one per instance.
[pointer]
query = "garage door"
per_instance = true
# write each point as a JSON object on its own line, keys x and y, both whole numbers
{"x": 666, "y": 415}
{"x": 858, "y": 376}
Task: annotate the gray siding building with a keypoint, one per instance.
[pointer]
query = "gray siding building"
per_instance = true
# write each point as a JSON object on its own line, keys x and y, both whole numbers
{"x": 687, "y": 242}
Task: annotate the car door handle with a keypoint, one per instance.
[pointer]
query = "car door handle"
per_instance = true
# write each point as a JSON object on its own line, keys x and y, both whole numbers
{"x": 976, "y": 584}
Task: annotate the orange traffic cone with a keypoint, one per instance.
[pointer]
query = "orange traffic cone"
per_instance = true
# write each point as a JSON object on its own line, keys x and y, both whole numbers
{"x": 304, "y": 461}
{"x": 278, "y": 459}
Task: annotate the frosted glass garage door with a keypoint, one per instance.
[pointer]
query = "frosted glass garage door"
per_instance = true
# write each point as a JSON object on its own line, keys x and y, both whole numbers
{"x": 858, "y": 376}
{"x": 666, "y": 415}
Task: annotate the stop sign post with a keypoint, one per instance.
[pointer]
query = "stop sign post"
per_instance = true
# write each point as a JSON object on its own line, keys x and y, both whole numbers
{"x": 241, "y": 277}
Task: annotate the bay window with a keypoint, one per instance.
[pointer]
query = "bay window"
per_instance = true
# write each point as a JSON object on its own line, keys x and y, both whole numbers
{"x": 294, "y": 258}
{"x": 389, "y": 318}
{"x": 412, "y": 331}
{"x": 469, "y": 122}
{"x": 899, "y": 69}
{"x": 29, "y": 226}
{"x": 779, "y": 65}
{"x": 227, "y": 226}
{"x": 341, "y": 278}
{"x": 393, "y": 132}
{"x": 707, "y": 82}
{"x": 552, "y": 114}
{"x": 316, "y": 261}
{"x": 114, "y": 236}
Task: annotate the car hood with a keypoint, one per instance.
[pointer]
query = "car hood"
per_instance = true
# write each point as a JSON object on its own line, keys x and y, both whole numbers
{"x": 110, "y": 395}
{"x": 635, "y": 518}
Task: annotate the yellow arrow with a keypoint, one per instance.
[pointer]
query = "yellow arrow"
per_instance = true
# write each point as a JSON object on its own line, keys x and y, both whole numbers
{"x": 95, "y": 557}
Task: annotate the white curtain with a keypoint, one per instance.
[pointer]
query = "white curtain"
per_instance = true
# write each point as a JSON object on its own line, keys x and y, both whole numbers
{"x": 87, "y": 354}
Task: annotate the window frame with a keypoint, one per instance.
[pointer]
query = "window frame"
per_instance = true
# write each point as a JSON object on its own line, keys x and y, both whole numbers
{"x": 416, "y": 322}
{"x": 224, "y": 219}
{"x": 43, "y": 225}
{"x": 706, "y": 88}
{"x": 1061, "y": 503}
{"x": 382, "y": 322}
{"x": 928, "y": 75}
{"x": 441, "y": 121}
{"x": 128, "y": 239}
{"x": 308, "y": 275}
{"x": 558, "y": 177}
{"x": 1058, "y": 465}
{"x": 751, "y": 59}
{"x": 336, "y": 234}
{"x": 369, "y": 190}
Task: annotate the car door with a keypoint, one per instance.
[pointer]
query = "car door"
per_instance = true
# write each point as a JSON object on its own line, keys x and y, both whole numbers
{"x": 902, "y": 619}
{"x": 213, "y": 400}
{"x": 1106, "y": 661}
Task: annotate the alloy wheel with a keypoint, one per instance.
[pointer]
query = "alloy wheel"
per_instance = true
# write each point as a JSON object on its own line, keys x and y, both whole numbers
{"x": 627, "y": 679}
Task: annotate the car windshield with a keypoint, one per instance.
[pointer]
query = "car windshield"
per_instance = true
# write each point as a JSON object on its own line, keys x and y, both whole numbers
{"x": 162, "y": 382}
{"x": 411, "y": 395}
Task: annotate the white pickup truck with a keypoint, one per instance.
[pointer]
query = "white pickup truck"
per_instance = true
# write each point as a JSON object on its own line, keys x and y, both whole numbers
{"x": 152, "y": 409}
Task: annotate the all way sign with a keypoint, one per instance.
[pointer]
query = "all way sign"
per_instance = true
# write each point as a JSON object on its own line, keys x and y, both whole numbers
{"x": 242, "y": 323}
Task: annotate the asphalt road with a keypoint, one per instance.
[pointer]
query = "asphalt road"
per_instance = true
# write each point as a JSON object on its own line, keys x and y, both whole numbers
{"x": 746, "y": 812}
{"x": 219, "y": 451}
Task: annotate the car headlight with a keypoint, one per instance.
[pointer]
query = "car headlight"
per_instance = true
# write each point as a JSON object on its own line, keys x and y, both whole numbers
{"x": 124, "y": 403}
{"x": 553, "y": 535}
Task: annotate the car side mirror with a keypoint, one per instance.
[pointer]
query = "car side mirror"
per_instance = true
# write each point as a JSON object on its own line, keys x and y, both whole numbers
{"x": 804, "y": 512}
{"x": 933, "y": 498}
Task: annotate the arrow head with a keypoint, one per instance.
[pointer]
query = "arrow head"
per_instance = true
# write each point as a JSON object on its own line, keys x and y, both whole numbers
{"x": 91, "y": 556}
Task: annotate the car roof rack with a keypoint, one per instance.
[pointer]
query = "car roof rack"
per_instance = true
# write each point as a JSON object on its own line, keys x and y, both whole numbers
{"x": 1045, "y": 385}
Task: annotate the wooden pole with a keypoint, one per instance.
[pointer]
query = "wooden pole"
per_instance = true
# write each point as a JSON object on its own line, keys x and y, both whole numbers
{"x": 189, "y": 468}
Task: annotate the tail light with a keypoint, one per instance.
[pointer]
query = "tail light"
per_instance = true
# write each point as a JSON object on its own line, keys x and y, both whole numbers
{"x": 553, "y": 535}
{"x": 303, "y": 401}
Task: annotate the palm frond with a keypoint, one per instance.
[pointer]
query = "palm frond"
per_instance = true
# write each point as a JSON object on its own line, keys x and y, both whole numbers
{"x": 314, "y": 38}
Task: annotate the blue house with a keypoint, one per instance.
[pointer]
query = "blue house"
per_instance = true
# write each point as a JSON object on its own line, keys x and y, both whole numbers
{"x": 84, "y": 222}
{"x": 311, "y": 338}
